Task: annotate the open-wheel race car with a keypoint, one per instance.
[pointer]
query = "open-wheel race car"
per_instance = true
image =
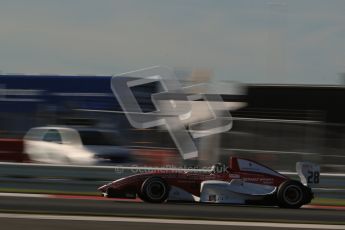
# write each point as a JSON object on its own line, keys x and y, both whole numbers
{"x": 241, "y": 182}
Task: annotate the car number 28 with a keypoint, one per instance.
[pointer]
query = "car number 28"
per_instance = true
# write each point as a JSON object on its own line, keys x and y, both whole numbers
{"x": 313, "y": 177}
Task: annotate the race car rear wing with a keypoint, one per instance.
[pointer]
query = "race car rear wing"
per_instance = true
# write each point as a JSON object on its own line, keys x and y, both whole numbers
{"x": 309, "y": 173}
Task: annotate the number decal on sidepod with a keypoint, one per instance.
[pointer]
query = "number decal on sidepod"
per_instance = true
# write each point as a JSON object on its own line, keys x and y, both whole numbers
{"x": 313, "y": 177}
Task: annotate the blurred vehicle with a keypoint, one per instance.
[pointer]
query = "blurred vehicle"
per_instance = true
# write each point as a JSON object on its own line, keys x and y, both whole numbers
{"x": 242, "y": 182}
{"x": 105, "y": 144}
{"x": 62, "y": 145}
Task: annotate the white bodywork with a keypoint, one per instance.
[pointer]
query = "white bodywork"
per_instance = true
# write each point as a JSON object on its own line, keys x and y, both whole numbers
{"x": 178, "y": 194}
{"x": 69, "y": 150}
{"x": 213, "y": 191}
{"x": 250, "y": 166}
{"x": 236, "y": 191}
{"x": 309, "y": 173}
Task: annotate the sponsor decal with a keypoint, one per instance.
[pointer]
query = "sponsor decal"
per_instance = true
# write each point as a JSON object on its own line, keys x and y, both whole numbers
{"x": 212, "y": 198}
{"x": 261, "y": 180}
{"x": 234, "y": 176}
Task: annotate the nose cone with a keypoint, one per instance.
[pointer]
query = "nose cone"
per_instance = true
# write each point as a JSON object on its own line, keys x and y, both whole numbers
{"x": 103, "y": 188}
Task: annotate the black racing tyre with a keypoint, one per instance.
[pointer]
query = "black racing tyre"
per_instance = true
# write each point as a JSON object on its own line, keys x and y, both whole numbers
{"x": 141, "y": 196}
{"x": 154, "y": 190}
{"x": 111, "y": 193}
{"x": 292, "y": 194}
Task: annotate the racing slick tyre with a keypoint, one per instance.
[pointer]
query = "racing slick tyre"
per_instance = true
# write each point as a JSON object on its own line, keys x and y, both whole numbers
{"x": 292, "y": 194}
{"x": 111, "y": 193}
{"x": 154, "y": 190}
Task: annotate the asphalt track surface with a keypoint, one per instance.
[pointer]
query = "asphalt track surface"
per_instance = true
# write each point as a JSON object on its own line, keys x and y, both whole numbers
{"x": 37, "y": 222}
{"x": 190, "y": 211}
{"x": 14, "y": 224}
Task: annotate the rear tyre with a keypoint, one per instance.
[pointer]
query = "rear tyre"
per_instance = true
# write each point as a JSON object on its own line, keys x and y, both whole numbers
{"x": 292, "y": 194}
{"x": 154, "y": 190}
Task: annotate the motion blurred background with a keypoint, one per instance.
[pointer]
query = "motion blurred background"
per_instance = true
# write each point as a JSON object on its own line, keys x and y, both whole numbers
{"x": 274, "y": 124}
{"x": 278, "y": 65}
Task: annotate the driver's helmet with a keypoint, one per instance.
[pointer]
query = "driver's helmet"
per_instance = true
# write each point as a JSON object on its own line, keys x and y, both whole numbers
{"x": 218, "y": 168}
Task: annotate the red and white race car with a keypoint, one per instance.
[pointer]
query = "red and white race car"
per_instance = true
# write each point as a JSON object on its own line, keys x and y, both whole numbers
{"x": 242, "y": 182}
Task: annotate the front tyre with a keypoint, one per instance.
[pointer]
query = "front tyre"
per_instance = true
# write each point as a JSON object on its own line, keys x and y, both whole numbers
{"x": 154, "y": 190}
{"x": 292, "y": 194}
{"x": 111, "y": 193}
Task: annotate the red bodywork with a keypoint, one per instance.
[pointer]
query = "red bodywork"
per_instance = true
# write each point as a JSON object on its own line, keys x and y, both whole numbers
{"x": 12, "y": 150}
{"x": 128, "y": 187}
